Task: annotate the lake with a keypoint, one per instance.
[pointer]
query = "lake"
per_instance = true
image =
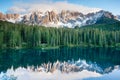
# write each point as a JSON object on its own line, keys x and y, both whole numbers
{"x": 65, "y": 63}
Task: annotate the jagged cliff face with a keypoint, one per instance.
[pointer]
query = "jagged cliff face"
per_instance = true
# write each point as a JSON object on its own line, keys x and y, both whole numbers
{"x": 65, "y": 18}
{"x": 8, "y": 16}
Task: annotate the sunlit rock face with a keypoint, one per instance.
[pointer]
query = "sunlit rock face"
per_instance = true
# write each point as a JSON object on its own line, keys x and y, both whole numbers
{"x": 64, "y": 18}
{"x": 12, "y": 16}
{"x": 8, "y": 17}
{"x": 2, "y": 16}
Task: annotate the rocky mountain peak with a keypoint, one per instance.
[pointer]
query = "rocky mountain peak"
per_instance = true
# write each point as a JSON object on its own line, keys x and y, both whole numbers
{"x": 60, "y": 19}
{"x": 107, "y": 14}
{"x": 2, "y": 16}
{"x": 8, "y": 16}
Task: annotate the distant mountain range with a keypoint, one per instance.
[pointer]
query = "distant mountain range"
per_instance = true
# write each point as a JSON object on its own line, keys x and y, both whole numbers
{"x": 64, "y": 18}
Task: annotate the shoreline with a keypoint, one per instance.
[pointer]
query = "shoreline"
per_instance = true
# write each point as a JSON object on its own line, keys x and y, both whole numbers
{"x": 57, "y": 47}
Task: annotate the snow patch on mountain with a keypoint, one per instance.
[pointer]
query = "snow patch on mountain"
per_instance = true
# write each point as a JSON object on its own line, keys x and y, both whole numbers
{"x": 64, "y": 18}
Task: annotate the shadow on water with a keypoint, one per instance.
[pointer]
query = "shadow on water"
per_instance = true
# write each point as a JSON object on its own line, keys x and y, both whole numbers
{"x": 104, "y": 57}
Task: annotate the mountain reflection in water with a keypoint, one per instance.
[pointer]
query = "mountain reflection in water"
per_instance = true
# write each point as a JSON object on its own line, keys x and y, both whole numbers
{"x": 66, "y": 60}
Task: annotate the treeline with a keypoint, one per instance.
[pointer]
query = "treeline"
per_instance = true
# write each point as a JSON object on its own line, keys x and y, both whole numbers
{"x": 20, "y": 36}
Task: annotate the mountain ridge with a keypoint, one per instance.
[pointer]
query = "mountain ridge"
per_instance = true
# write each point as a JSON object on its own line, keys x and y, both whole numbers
{"x": 65, "y": 18}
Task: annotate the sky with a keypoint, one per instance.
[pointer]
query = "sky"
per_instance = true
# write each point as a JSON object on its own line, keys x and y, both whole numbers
{"x": 7, "y": 6}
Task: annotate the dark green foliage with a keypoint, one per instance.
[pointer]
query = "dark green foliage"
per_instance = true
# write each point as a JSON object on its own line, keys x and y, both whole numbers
{"x": 20, "y": 36}
{"x": 105, "y": 20}
{"x": 105, "y": 24}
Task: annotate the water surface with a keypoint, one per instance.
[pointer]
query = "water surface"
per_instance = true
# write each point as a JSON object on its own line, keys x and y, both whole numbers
{"x": 100, "y": 62}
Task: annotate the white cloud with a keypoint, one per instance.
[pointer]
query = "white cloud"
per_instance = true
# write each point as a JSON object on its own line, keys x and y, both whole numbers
{"x": 16, "y": 10}
{"x": 21, "y": 7}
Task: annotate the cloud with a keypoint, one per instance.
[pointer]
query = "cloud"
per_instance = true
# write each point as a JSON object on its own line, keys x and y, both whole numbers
{"x": 16, "y": 10}
{"x": 22, "y": 7}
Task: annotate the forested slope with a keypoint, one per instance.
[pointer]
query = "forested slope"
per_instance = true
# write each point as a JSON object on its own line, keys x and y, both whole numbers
{"x": 25, "y": 36}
